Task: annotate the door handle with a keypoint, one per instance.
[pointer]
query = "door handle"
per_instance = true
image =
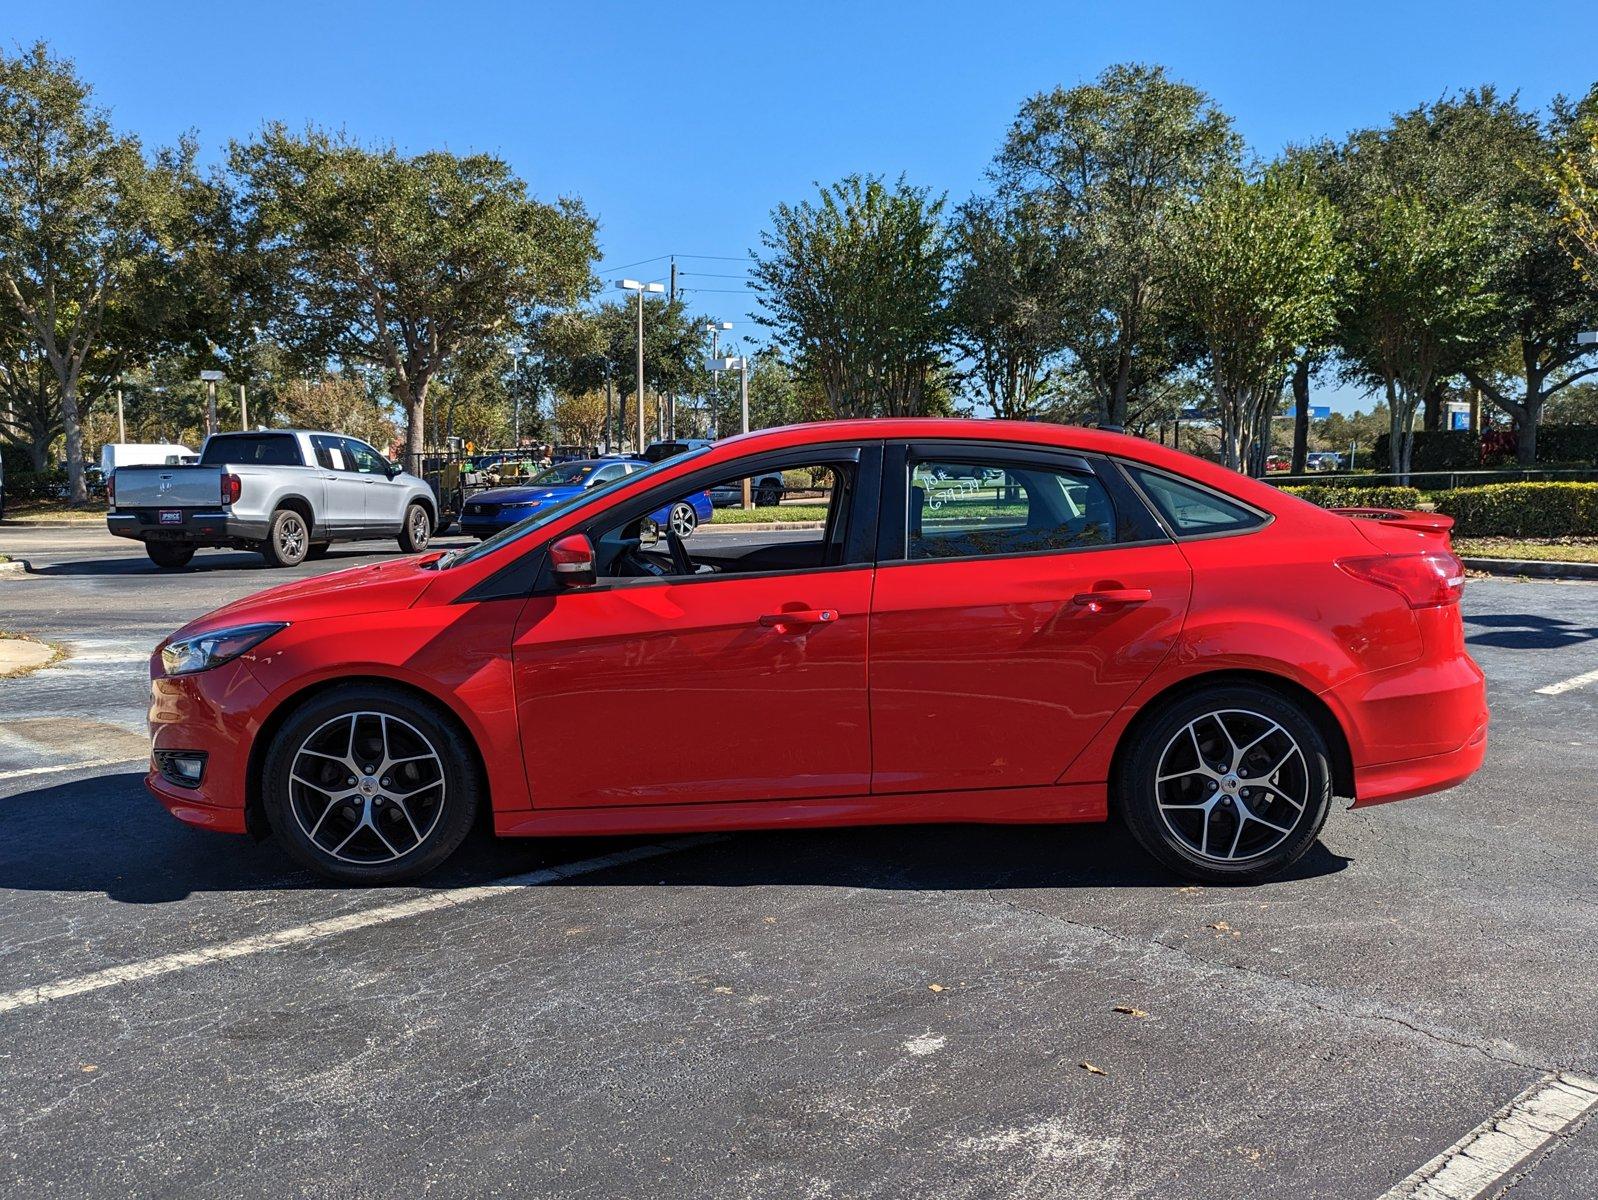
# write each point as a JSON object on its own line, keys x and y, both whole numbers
{"x": 800, "y": 616}
{"x": 1109, "y": 597}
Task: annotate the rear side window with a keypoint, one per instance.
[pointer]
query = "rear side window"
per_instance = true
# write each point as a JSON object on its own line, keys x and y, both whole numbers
{"x": 1190, "y": 509}
{"x": 267, "y": 450}
{"x": 975, "y": 510}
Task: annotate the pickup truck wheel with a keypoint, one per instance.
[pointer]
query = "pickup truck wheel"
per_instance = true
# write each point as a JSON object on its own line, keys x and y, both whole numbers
{"x": 169, "y": 555}
{"x": 417, "y": 530}
{"x": 768, "y": 497}
{"x": 287, "y": 539}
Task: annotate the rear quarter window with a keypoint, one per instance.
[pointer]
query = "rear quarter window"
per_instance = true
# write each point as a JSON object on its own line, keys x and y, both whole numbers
{"x": 1192, "y": 510}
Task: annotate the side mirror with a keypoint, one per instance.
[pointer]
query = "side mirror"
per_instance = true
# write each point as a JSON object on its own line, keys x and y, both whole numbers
{"x": 572, "y": 558}
{"x": 648, "y": 532}
{"x": 395, "y": 470}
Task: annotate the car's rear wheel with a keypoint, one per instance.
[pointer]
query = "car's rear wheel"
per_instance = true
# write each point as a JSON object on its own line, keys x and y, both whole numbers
{"x": 1230, "y": 784}
{"x": 417, "y": 530}
{"x": 169, "y": 555}
{"x": 287, "y": 539}
{"x": 683, "y": 519}
{"x": 368, "y": 785}
{"x": 768, "y": 497}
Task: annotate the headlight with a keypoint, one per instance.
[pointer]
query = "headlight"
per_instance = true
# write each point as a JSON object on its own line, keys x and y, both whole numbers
{"x": 206, "y": 650}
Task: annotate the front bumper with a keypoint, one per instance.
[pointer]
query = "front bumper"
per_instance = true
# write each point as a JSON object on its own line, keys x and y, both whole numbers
{"x": 197, "y": 527}
{"x": 214, "y": 711}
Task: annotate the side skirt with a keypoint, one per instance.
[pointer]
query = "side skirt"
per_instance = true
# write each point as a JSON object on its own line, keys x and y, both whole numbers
{"x": 1056, "y": 804}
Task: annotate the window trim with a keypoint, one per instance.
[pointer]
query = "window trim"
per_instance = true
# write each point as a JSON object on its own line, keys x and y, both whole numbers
{"x": 1129, "y": 469}
{"x": 893, "y": 522}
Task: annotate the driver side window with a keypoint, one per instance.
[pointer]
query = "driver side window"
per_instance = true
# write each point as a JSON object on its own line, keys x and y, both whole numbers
{"x": 707, "y": 530}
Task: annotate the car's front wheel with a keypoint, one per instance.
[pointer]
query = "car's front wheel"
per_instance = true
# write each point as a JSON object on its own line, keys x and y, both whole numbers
{"x": 417, "y": 530}
{"x": 368, "y": 785}
{"x": 1230, "y": 784}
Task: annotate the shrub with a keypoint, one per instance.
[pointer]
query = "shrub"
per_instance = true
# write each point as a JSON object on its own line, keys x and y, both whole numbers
{"x": 1436, "y": 450}
{"x": 35, "y": 485}
{"x": 1333, "y": 495}
{"x": 1523, "y": 509}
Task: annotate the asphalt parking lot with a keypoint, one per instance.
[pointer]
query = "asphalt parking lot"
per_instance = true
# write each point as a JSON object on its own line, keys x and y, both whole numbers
{"x": 951, "y": 1012}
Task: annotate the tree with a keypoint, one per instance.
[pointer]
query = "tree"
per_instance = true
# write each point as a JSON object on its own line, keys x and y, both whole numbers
{"x": 580, "y": 418}
{"x": 1253, "y": 269}
{"x": 855, "y": 285}
{"x": 1573, "y": 176}
{"x": 374, "y": 257}
{"x": 92, "y": 237}
{"x": 1104, "y": 164}
{"x": 1006, "y": 302}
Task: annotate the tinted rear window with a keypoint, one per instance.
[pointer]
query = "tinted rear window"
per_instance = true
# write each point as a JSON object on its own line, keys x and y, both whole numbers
{"x": 267, "y": 450}
{"x": 1191, "y": 509}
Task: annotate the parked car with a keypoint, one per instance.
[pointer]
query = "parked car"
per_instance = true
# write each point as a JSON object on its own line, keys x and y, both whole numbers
{"x": 144, "y": 454}
{"x": 1323, "y": 460}
{"x": 1125, "y": 629}
{"x": 488, "y": 512}
{"x": 287, "y": 493}
{"x": 765, "y": 490}
{"x": 660, "y": 451}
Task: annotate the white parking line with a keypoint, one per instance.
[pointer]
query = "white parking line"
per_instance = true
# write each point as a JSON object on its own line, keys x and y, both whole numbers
{"x": 1512, "y": 1135}
{"x": 1569, "y": 685}
{"x": 77, "y": 766}
{"x": 31, "y": 997}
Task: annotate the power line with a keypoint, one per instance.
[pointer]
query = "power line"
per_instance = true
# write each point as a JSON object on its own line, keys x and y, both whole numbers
{"x": 718, "y": 291}
{"x": 711, "y": 275}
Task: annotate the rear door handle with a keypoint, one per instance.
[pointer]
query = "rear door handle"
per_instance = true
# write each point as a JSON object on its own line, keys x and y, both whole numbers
{"x": 1109, "y": 597}
{"x": 801, "y": 616}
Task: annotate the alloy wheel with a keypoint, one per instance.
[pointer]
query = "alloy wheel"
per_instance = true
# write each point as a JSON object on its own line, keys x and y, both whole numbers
{"x": 367, "y": 788}
{"x": 683, "y": 519}
{"x": 290, "y": 537}
{"x": 1232, "y": 785}
{"x": 419, "y": 526}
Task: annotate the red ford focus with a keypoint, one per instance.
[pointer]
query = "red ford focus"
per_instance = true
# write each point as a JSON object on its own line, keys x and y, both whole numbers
{"x": 995, "y": 622}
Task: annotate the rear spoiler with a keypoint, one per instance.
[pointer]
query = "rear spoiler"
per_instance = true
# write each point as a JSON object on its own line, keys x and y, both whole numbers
{"x": 1399, "y": 518}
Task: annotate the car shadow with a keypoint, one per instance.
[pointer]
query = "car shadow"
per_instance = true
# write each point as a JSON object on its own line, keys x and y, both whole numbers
{"x": 107, "y": 835}
{"x": 1526, "y": 631}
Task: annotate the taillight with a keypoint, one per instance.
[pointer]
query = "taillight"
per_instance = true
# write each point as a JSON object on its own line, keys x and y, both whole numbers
{"x": 111, "y": 490}
{"x": 1424, "y": 580}
{"x": 231, "y": 487}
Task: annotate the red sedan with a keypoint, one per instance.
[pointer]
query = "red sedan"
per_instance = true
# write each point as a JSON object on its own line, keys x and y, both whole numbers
{"x": 996, "y": 622}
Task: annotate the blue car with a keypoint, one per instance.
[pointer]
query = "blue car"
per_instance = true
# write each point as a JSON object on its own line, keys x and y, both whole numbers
{"x": 488, "y": 512}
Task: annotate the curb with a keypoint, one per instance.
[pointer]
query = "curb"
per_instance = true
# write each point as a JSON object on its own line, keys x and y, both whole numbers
{"x": 16, "y": 568}
{"x": 759, "y": 526}
{"x": 1539, "y": 568}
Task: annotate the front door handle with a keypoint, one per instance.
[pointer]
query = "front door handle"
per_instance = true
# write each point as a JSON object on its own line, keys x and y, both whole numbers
{"x": 800, "y": 616}
{"x": 1111, "y": 597}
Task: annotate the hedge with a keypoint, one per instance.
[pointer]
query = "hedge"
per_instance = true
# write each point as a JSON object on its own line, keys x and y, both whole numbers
{"x": 35, "y": 485}
{"x": 1523, "y": 509}
{"x": 1332, "y": 495}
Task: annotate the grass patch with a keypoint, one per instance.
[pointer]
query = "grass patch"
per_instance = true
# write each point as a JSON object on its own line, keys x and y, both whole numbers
{"x": 782, "y": 512}
{"x": 1582, "y": 550}
{"x": 39, "y": 512}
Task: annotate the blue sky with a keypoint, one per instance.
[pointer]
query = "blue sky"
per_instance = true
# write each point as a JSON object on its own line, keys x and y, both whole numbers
{"x": 680, "y": 125}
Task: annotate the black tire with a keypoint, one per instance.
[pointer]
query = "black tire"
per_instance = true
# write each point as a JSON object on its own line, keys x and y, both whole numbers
{"x": 318, "y": 550}
{"x": 682, "y": 519}
{"x": 385, "y": 850}
{"x": 768, "y": 497}
{"x": 417, "y": 529}
{"x": 288, "y": 539}
{"x": 169, "y": 555}
{"x": 1197, "y": 808}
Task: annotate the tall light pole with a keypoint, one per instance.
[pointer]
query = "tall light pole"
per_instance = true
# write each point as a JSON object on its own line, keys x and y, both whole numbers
{"x": 633, "y": 285}
{"x": 516, "y": 353}
{"x": 741, "y": 365}
{"x": 211, "y": 379}
{"x": 716, "y": 328}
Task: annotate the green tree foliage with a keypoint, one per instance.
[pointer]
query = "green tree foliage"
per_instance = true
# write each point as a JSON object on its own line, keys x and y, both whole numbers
{"x": 1573, "y": 176}
{"x": 1254, "y": 270}
{"x": 855, "y": 283}
{"x": 1007, "y": 302}
{"x": 371, "y": 256}
{"x": 95, "y": 241}
{"x": 1104, "y": 165}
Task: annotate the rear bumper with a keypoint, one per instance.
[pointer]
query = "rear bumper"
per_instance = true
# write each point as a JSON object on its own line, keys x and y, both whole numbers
{"x": 197, "y": 527}
{"x": 1414, "y": 729}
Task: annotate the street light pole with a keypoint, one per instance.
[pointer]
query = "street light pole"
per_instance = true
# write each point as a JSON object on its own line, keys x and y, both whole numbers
{"x": 715, "y": 328}
{"x": 633, "y": 285}
{"x": 210, "y": 379}
{"x": 741, "y": 365}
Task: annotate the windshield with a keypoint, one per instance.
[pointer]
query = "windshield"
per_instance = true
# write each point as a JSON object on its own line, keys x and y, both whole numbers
{"x": 531, "y": 525}
{"x": 566, "y": 474}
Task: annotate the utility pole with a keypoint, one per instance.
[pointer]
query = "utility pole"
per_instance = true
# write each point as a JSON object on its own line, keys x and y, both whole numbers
{"x": 210, "y": 379}
{"x": 671, "y": 400}
{"x": 633, "y": 285}
{"x": 122, "y": 425}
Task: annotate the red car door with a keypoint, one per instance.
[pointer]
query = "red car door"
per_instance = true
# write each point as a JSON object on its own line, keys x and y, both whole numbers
{"x": 748, "y": 684}
{"x": 1028, "y": 595}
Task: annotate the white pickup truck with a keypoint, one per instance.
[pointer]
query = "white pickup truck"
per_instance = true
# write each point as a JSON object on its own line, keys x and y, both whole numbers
{"x": 287, "y": 493}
